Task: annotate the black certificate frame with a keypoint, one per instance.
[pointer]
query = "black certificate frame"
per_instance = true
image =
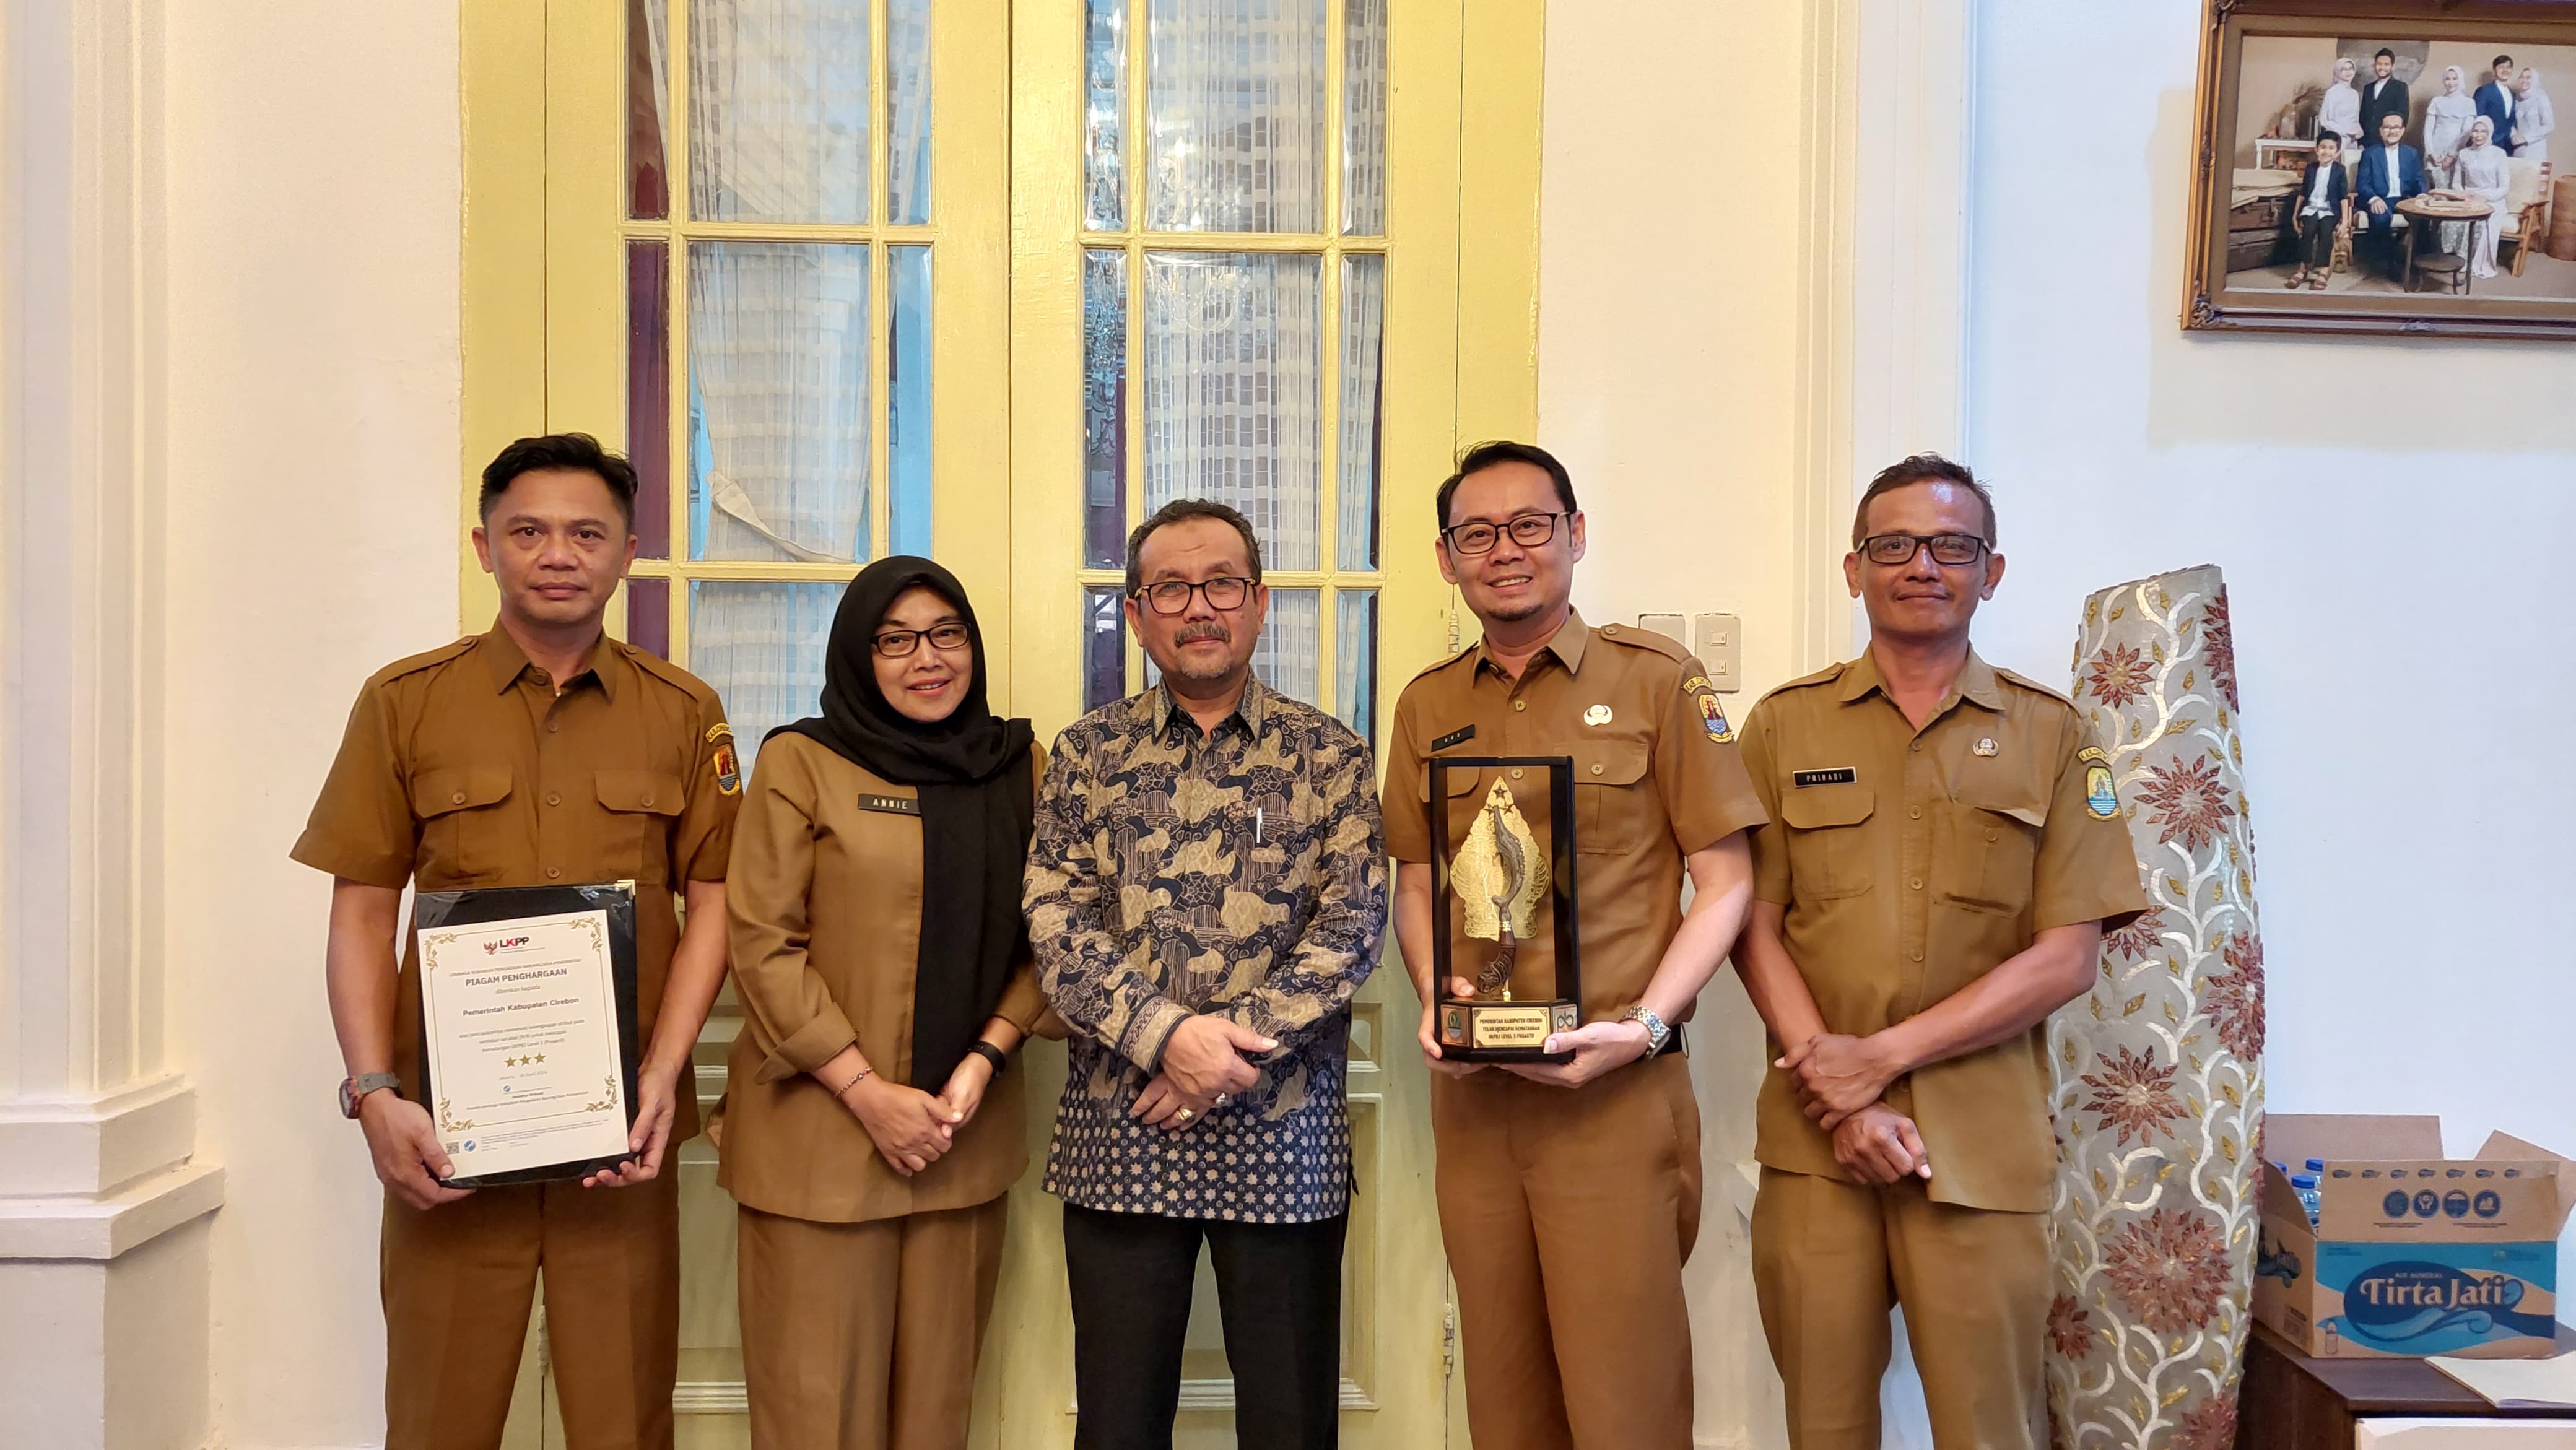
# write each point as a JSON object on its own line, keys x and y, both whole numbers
{"x": 1568, "y": 962}
{"x": 471, "y": 907}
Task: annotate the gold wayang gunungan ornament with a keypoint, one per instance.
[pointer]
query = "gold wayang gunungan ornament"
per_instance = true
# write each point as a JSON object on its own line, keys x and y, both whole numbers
{"x": 1500, "y": 877}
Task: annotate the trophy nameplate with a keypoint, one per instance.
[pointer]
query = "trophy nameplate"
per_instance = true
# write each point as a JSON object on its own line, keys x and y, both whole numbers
{"x": 1503, "y": 901}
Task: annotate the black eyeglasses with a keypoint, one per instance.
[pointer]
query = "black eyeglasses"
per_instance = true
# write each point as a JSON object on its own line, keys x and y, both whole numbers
{"x": 1478, "y": 537}
{"x": 1951, "y": 549}
{"x": 894, "y": 644}
{"x": 1172, "y": 596}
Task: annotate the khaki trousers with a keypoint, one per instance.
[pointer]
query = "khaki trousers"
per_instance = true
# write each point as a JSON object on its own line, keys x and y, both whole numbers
{"x": 457, "y": 1282}
{"x": 1567, "y": 1215}
{"x": 1830, "y": 1259}
{"x": 863, "y": 1336}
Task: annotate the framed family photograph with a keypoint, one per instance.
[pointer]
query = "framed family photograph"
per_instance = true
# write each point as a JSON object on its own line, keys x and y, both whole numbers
{"x": 2384, "y": 166}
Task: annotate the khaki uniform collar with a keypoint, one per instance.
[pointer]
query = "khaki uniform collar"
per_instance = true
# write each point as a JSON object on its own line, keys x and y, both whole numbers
{"x": 1252, "y": 709}
{"x": 1976, "y": 684}
{"x": 1568, "y": 644}
{"x": 502, "y": 655}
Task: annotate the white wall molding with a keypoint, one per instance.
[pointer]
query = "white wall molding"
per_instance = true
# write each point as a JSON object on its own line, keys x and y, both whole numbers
{"x": 95, "y": 1145}
{"x": 103, "y": 1250}
{"x": 1883, "y": 274}
{"x": 106, "y": 1226}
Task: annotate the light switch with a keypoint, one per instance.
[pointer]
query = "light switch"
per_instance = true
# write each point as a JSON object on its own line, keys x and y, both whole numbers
{"x": 1667, "y": 625}
{"x": 1715, "y": 638}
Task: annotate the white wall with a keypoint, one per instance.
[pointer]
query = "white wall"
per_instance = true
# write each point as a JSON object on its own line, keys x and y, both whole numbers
{"x": 1667, "y": 325}
{"x": 313, "y": 174}
{"x": 2387, "y": 514}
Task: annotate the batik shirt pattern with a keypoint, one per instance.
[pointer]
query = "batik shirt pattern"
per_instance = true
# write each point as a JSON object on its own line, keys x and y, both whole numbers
{"x": 1238, "y": 872}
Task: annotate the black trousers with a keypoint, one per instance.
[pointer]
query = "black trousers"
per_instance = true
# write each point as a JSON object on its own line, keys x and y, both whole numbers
{"x": 1278, "y": 1290}
{"x": 2316, "y": 236}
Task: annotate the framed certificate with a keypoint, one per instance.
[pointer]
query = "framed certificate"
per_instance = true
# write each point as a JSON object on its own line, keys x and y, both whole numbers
{"x": 1503, "y": 902}
{"x": 527, "y": 1025}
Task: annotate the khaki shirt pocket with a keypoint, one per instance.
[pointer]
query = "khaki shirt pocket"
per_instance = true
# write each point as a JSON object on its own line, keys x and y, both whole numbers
{"x": 1466, "y": 790}
{"x": 1995, "y": 829}
{"x": 640, "y": 806}
{"x": 1613, "y": 807}
{"x": 460, "y": 825}
{"x": 1828, "y": 840}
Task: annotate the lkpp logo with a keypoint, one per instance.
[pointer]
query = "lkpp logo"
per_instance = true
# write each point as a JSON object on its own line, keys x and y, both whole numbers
{"x": 495, "y": 948}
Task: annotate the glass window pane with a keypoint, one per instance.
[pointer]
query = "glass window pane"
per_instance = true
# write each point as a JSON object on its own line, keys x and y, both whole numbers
{"x": 1234, "y": 391}
{"x": 1104, "y": 115}
{"x": 648, "y": 53}
{"x": 1104, "y": 647}
{"x": 1355, "y": 660}
{"x": 908, "y": 399}
{"x": 1235, "y": 109}
{"x": 759, "y": 645}
{"x": 778, "y": 110}
{"x": 1104, "y": 409}
{"x": 1291, "y": 644}
{"x": 1363, "y": 407}
{"x": 779, "y": 408}
{"x": 648, "y": 393}
{"x": 908, "y": 111}
{"x": 1364, "y": 118}
{"x": 648, "y": 616}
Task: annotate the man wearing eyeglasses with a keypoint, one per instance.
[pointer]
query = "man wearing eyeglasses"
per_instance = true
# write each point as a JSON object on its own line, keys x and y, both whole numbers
{"x": 1205, "y": 892}
{"x": 1569, "y": 1194}
{"x": 1944, "y": 853}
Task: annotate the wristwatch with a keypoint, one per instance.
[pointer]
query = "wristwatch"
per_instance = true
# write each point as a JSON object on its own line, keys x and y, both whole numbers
{"x": 1657, "y": 1034}
{"x": 353, "y": 1089}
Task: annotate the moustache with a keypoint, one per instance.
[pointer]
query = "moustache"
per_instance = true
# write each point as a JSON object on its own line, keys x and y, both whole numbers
{"x": 1193, "y": 633}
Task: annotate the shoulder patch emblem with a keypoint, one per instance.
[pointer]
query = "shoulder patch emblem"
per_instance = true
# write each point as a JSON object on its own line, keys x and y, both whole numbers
{"x": 2101, "y": 798}
{"x": 2094, "y": 754}
{"x": 1695, "y": 684}
{"x": 1713, "y": 716}
{"x": 728, "y": 765}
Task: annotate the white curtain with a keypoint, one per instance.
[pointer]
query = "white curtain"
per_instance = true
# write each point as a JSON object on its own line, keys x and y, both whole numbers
{"x": 778, "y": 110}
{"x": 1363, "y": 348}
{"x": 1364, "y": 118}
{"x": 1289, "y": 656}
{"x": 908, "y": 131}
{"x": 1355, "y": 660}
{"x": 760, "y": 646}
{"x": 1234, "y": 391}
{"x": 1104, "y": 115}
{"x": 778, "y": 372}
{"x": 1235, "y": 108}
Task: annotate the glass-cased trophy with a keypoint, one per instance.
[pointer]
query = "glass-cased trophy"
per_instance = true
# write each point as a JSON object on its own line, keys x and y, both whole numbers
{"x": 1503, "y": 898}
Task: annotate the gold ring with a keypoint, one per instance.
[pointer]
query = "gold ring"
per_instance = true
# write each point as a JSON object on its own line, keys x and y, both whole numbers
{"x": 1185, "y": 1115}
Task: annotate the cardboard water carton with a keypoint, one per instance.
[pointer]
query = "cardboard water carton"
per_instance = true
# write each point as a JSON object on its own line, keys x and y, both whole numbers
{"x": 2412, "y": 1253}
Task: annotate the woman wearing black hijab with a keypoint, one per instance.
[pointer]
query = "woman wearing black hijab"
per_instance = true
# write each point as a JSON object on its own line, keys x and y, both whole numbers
{"x": 885, "y": 978}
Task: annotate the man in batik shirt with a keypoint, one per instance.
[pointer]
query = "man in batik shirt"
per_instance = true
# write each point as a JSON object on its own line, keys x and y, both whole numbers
{"x": 1205, "y": 892}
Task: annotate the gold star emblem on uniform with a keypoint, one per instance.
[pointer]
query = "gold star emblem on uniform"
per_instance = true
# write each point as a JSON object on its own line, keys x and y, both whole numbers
{"x": 1597, "y": 715}
{"x": 1986, "y": 746}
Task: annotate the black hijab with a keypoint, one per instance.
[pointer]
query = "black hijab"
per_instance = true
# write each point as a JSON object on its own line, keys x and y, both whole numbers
{"x": 977, "y": 810}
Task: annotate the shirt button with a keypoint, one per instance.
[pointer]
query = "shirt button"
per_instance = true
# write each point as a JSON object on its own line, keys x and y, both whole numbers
{"x": 1596, "y": 767}
{"x": 1990, "y": 835}
{"x": 554, "y": 871}
{"x": 648, "y": 801}
{"x": 457, "y": 799}
{"x": 1916, "y": 883}
{"x": 553, "y": 726}
{"x": 1918, "y": 954}
{"x": 1916, "y": 745}
{"x": 553, "y": 798}
{"x": 1916, "y": 813}
{"x": 1520, "y": 704}
{"x": 1516, "y": 772}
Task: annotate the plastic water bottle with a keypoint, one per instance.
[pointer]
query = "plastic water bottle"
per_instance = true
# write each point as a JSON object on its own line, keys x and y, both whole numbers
{"x": 2317, "y": 1166}
{"x": 2306, "y": 1184}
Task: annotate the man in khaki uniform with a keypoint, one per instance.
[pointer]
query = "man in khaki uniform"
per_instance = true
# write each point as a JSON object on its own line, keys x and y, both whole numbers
{"x": 1945, "y": 851}
{"x": 541, "y": 753}
{"x": 1569, "y": 1195}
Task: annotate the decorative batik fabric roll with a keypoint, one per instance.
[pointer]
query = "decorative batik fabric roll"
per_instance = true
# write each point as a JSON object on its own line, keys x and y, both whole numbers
{"x": 2159, "y": 1069}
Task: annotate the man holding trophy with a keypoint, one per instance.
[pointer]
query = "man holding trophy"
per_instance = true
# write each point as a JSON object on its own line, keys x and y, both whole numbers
{"x": 1576, "y": 772}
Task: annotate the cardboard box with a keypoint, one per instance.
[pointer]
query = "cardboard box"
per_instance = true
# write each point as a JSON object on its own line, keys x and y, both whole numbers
{"x": 2413, "y": 1253}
